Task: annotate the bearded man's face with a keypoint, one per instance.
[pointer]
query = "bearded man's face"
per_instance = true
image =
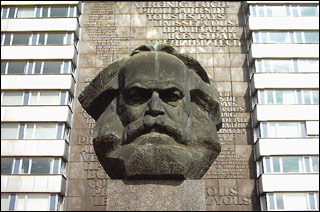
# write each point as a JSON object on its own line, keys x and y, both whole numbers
{"x": 165, "y": 133}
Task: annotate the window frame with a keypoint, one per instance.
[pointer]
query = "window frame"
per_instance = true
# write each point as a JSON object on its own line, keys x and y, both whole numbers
{"x": 276, "y": 127}
{"x": 275, "y": 204}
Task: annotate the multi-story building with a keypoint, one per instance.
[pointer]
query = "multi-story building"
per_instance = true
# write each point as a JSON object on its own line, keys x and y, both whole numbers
{"x": 39, "y": 48}
{"x": 47, "y": 159}
{"x": 283, "y": 58}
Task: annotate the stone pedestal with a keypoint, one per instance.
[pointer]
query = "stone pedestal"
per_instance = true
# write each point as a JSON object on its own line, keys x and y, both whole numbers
{"x": 155, "y": 195}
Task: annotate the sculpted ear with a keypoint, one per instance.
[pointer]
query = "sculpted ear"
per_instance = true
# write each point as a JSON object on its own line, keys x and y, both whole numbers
{"x": 96, "y": 97}
{"x": 208, "y": 103}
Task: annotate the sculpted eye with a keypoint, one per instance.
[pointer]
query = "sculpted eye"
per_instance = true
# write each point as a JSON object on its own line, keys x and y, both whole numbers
{"x": 170, "y": 95}
{"x": 136, "y": 96}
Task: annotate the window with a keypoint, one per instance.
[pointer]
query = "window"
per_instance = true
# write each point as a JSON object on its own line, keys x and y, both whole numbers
{"x": 278, "y": 66}
{"x": 283, "y": 129}
{"x": 288, "y": 96}
{"x": 37, "y": 67}
{"x": 9, "y": 130}
{"x": 292, "y": 201}
{"x": 25, "y": 12}
{"x": 35, "y": 98}
{"x": 33, "y": 166}
{"x": 284, "y": 10}
{"x": 38, "y": 12}
{"x": 37, "y": 39}
{"x": 285, "y": 37}
{"x": 291, "y": 164}
{"x": 34, "y": 131}
{"x": 6, "y": 165}
{"x": 31, "y": 202}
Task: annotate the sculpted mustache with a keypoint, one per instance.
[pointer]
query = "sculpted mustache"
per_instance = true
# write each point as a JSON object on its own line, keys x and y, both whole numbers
{"x": 158, "y": 124}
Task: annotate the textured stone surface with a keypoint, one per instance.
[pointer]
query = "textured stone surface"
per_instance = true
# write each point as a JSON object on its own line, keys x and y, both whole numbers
{"x": 159, "y": 195}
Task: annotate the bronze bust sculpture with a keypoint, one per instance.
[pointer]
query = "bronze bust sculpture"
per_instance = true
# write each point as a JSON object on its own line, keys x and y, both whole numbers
{"x": 157, "y": 115}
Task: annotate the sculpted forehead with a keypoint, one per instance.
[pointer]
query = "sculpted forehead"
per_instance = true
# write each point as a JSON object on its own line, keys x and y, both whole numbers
{"x": 153, "y": 68}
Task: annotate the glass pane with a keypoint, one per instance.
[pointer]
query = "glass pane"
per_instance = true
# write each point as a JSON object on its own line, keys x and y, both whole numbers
{"x": 308, "y": 11}
{"x": 290, "y": 164}
{"x": 20, "y": 205}
{"x": 12, "y": 12}
{"x": 40, "y": 166}
{"x": 12, "y": 98}
{"x": 269, "y": 11}
{"x": 268, "y": 165}
{"x": 53, "y": 202}
{"x": 4, "y": 12}
{"x": 6, "y": 165}
{"x": 295, "y": 201}
{"x": 311, "y": 201}
{"x": 34, "y": 98}
{"x": 9, "y": 131}
{"x": 271, "y": 202}
{"x": 56, "y": 166}
{"x": 260, "y": 10}
{"x": 307, "y": 99}
{"x": 38, "y": 9}
{"x": 5, "y": 201}
{"x": 37, "y": 68}
{"x": 16, "y": 67}
{"x": 20, "y": 39}
{"x": 308, "y": 65}
{"x": 25, "y": 12}
{"x": 66, "y": 67}
{"x": 3, "y": 67}
{"x": 55, "y": 39}
{"x": 267, "y": 65}
{"x": 29, "y": 131}
{"x": 288, "y": 97}
{"x": 59, "y": 12}
{"x": 30, "y": 68}
{"x": 45, "y": 131}
{"x": 299, "y": 37}
{"x": 276, "y": 164}
{"x": 315, "y": 164}
{"x": 49, "y": 98}
{"x": 279, "y": 198}
{"x": 311, "y": 37}
{"x": 307, "y": 164}
{"x": 41, "y": 39}
{"x": 270, "y": 97}
{"x": 16, "y": 166}
{"x": 45, "y": 12}
{"x": 37, "y": 202}
{"x": 278, "y": 37}
{"x": 71, "y": 12}
{"x": 281, "y": 65}
{"x": 52, "y": 67}
{"x": 264, "y": 38}
{"x": 315, "y": 96}
{"x": 7, "y": 39}
{"x": 278, "y": 11}
{"x": 272, "y": 130}
{"x": 264, "y": 130}
{"x": 294, "y": 11}
{"x": 279, "y": 97}
{"x": 25, "y": 166}
{"x": 287, "y": 129}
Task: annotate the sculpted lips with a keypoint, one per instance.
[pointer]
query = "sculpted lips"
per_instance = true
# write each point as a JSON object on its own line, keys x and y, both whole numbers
{"x": 155, "y": 125}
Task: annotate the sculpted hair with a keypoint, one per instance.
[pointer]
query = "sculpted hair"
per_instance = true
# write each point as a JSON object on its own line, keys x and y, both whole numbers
{"x": 96, "y": 97}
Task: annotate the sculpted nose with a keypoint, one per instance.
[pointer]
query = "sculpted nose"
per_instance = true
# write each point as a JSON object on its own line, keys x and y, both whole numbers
{"x": 155, "y": 107}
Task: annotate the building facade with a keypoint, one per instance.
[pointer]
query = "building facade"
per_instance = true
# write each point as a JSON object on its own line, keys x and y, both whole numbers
{"x": 263, "y": 57}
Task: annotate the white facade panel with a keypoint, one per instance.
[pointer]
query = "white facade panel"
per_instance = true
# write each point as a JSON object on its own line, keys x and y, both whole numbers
{"x": 29, "y": 148}
{"x": 37, "y": 114}
{"x": 66, "y": 52}
{"x": 41, "y": 183}
{"x": 285, "y": 113}
{"x": 284, "y": 80}
{"x": 37, "y": 82}
{"x": 39, "y": 24}
{"x": 283, "y": 23}
{"x": 38, "y": 2}
{"x": 312, "y": 128}
{"x": 286, "y": 146}
{"x": 288, "y": 182}
{"x": 283, "y": 51}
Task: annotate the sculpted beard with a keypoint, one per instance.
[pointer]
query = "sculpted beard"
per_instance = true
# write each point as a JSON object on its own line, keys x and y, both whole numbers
{"x": 156, "y": 147}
